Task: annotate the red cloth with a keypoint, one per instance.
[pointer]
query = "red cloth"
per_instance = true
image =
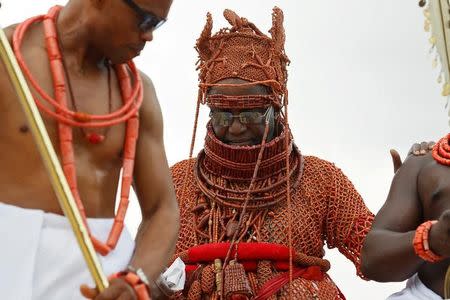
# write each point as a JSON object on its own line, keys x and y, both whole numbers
{"x": 249, "y": 266}
{"x": 248, "y": 255}
{"x": 246, "y": 252}
{"x": 276, "y": 283}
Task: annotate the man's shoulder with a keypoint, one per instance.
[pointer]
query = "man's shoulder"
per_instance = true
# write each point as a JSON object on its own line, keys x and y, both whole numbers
{"x": 321, "y": 172}
{"x": 317, "y": 164}
{"x": 183, "y": 173}
{"x": 4, "y": 80}
{"x": 428, "y": 168}
{"x": 147, "y": 83}
{"x": 182, "y": 165}
{"x": 416, "y": 165}
{"x": 9, "y": 31}
{"x": 150, "y": 113}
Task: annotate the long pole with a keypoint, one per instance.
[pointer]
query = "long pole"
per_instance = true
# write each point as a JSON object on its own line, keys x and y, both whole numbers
{"x": 51, "y": 162}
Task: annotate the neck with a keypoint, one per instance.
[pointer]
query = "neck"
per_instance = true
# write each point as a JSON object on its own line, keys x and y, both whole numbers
{"x": 75, "y": 39}
{"x": 240, "y": 161}
{"x": 225, "y": 172}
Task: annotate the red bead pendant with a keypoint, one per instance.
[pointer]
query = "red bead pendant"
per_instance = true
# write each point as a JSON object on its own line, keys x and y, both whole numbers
{"x": 94, "y": 138}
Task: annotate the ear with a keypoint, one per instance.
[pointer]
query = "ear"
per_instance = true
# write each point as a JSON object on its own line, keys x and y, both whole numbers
{"x": 277, "y": 30}
{"x": 203, "y": 45}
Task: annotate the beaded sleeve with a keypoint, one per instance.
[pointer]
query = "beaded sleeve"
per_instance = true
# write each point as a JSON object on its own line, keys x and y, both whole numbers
{"x": 348, "y": 219}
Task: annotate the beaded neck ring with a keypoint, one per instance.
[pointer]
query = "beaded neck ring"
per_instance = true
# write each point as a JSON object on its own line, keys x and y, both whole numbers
{"x": 441, "y": 151}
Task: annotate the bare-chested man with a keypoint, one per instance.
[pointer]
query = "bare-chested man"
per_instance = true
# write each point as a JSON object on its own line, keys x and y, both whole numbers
{"x": 38, "y": 250}
{"x": 396, "y": 247}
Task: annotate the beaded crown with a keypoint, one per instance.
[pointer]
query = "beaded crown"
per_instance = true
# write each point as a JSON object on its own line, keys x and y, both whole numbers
{"x": 244, "y": 52}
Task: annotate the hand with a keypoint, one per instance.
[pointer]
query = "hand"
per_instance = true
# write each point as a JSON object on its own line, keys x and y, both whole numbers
{"x": 439, "y": 235}
{"x": 118, "y": 289}
{"x": 421, "y": 149}
{"x": 396, "y": 160}
{"x": 416, "y": 150}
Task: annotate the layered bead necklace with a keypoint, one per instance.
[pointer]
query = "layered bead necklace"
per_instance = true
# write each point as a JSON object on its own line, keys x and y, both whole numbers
{"x": 132, "y": 96}
{"x": 441, "y": 151}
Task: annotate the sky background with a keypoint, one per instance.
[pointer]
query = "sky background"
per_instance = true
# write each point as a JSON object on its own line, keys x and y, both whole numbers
{"x": 360, "y": 83}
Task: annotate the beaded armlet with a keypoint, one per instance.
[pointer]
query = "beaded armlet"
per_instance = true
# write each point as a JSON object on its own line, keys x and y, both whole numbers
{"x": 421, "y": 244}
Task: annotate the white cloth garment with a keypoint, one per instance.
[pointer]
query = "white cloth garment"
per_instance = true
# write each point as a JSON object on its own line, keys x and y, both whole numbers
{"x": 415, "y": 290}
{"x": 40, "y": 258}
{"x": 175, "y": 275}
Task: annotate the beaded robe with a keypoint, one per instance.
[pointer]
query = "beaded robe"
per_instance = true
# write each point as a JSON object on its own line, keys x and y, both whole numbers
{"x": 326, "y": 209}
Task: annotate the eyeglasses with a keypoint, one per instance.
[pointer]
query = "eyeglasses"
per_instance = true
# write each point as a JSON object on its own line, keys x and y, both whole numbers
{"x": 149, "y": 21}
{"x": 225, "y": 118}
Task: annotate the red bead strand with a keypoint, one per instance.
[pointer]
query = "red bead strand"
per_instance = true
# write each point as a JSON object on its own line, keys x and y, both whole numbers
{"x": 132, "y": 97}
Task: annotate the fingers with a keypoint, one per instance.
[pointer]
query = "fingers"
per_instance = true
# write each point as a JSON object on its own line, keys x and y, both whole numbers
{"x": 112, "y": 292}
{"x": 423, "y": 148}
{"x": 87, "y": 292}
{"x": 118, "y": 289}
{"x": 396, "y": 160}
{"x": 126, "y": 296}
{"x": 415, "y": 149}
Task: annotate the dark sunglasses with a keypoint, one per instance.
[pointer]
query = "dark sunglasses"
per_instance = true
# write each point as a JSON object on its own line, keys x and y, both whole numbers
{"x": 149, "y": 21}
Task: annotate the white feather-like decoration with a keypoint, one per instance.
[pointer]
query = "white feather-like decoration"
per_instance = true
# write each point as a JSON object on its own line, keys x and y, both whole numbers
{"x": 437, "y": 20}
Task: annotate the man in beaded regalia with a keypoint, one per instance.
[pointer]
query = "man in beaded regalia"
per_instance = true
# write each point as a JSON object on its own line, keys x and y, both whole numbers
{"x": 102, "y": 115}
{"x": 255, "y": 212}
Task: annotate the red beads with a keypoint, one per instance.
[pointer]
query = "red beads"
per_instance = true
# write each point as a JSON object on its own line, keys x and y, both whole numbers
{"x": 421, "y": 244}
{"x": 132, "y": 97}
{"x": 441, "y": 151}
{"x": 95, "y": 138}
{"x": 238, "y": 297}
{"x": 60, "y": 112}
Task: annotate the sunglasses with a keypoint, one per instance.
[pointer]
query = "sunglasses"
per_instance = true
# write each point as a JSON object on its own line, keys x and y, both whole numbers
{"x": 225, "y": 119}
{"x": 149, "y": 21}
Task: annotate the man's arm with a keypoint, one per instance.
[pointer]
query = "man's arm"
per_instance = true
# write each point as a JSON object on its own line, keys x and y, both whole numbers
{"x": 348, "y": 219}
{"x": 158, "y": 231}
{"x": 388, "y": 253}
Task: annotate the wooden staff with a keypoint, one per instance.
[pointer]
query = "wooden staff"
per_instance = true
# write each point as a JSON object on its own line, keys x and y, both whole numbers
{"x": 51, "y": 162}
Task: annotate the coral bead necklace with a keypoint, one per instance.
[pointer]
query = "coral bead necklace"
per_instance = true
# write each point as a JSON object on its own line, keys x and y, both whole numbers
{"x": 132, "y": 96}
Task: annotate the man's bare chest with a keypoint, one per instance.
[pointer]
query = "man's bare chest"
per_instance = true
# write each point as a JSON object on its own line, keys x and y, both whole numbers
{"x": 434, "y": 189}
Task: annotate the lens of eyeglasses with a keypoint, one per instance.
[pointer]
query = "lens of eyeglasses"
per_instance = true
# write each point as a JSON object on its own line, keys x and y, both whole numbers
{"x": 151, "y": 23}
{"x": 222, "y": 118}
{"x": 250, "y": 117}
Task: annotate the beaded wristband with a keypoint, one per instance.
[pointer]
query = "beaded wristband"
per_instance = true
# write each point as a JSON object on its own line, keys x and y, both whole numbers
{"x": 421, "y": 244}
{"x": 140, "y": 288}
